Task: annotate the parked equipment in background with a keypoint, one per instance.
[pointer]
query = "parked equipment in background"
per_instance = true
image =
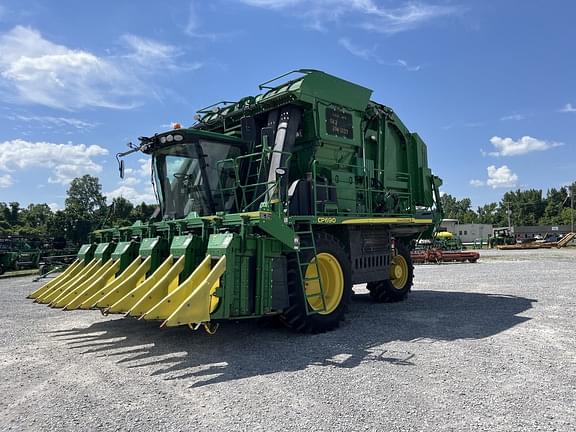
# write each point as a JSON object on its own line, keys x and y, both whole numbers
{"x": 17, "y": 254}
{"x": 273, "y": 205}
{"x": 542, "y": 244}
{"x": 501, "y": 236}
{"x": 445, "y": 247}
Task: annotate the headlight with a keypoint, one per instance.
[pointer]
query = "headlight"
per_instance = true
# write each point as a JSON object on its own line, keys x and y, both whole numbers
{"x": 162, "y": 140}
{"x": 178, "y": 138}
{"x": 169, "y": 138}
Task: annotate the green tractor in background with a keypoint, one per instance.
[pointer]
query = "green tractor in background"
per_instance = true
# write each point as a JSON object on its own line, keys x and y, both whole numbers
{"x": 501, "y": 236}
{"x": 17, "y": 254}
{"x": 445, "y": 240}
{"x": 274, "y": 205}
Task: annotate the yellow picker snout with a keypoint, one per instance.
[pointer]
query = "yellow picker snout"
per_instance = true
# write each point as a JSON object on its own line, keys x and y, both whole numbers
{"x": 174, "y": 290}
{"x": 85, "y": 255}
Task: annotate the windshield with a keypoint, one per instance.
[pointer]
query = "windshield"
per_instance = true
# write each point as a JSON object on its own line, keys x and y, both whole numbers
{"x": 189, "y": 178}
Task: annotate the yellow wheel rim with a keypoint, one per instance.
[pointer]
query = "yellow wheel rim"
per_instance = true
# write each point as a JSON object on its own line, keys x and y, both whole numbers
{"x": 399, "y": 272}
{"x": 332, "y": 279}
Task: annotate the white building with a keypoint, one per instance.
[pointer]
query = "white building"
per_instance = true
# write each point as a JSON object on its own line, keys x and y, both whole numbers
{"x": 468, "y": 232}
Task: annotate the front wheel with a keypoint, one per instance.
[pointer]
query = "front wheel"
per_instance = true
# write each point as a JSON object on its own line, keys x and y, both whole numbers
{"x": 321, "y": 305}
{"x": 399, "y": 284}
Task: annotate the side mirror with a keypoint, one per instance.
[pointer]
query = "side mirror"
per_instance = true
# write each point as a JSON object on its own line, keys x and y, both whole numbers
{"x": 121, "y": 168}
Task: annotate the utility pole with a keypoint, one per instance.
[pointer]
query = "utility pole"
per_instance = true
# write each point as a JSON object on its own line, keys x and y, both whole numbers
{"x": 572, "y": 206}
{"x": 509, "y": 213}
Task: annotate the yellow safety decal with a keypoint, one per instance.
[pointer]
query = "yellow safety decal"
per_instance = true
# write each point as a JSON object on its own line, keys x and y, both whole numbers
{"x": 383, "y": 220}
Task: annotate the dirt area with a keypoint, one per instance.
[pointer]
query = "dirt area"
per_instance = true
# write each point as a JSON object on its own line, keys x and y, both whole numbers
{"x": 487, "y": 346}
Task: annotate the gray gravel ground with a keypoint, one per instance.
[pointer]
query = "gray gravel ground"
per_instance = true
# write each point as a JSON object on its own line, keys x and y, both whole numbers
{"x": 487, "y": 346}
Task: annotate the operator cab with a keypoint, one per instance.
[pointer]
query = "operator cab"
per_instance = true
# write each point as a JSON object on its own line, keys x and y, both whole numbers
{"x": 190, "y": 172}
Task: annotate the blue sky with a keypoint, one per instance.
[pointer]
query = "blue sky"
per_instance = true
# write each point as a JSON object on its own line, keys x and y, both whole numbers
{"x": 490, "y": 86}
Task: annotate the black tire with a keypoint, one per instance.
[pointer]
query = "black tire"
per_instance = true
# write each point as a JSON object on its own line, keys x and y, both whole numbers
{"x": 295, "y": 316}
{"x": 1, "y": 269}
{"x": 384, "y": 291}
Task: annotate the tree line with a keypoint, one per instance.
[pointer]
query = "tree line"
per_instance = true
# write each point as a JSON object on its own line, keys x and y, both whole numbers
{"x": 85, "y": 210}
{"x": 526, "y": 207}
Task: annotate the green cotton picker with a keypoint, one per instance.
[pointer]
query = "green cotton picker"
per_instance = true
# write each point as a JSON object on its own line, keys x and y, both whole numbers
{"x": 274, "y": 205}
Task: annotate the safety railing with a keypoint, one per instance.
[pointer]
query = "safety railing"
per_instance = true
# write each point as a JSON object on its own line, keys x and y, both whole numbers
{"x": 371, "y": 195}
{"x": 251, "y": 172}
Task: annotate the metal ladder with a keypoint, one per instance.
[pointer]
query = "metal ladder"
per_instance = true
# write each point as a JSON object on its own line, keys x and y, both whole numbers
{"x": 256, "y": 165}
{"x": 307, "y": 243}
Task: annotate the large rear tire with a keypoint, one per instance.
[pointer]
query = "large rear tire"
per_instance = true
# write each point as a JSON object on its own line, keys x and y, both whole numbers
{"x": 401, "y": 279}
{"x": 336, "y": 276}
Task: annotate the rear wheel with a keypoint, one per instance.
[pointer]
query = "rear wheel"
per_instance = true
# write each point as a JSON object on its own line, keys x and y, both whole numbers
{"x": 309, "y": 310}
{"x": 401, "y": 278}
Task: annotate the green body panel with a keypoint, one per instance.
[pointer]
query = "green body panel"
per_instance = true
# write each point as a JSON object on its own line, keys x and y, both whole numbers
{"x": 192, "y": 247}
{"x": 104, "y": 251}
{"x": 246, "y": 287}
{"x": 126, "y": 252}
{"x": 86, "y": 252}
{"x": 156, "y": 248}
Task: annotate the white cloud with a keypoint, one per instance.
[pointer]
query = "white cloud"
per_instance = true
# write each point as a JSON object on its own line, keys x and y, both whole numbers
{"x": 54, "y": 207}
{"x": 152, "y": 55}
{"x": 363, "y": 53}
{"x": 133, "y": 195}
{"x": 366, "y": 14}
{"x": 66, "y": 161}
{"x": 369, "y": 54}
{"x": 145, "y": 169}
{"x": 193, "y": 27}
{"x": 515, "y": 117}
{"x": 568, "y": 108}
{"x": 37, "y": 71}
{"x": 50, "y": 122}
{"x": 526, "y": 144}
{"x": 129, "y": 181}
{"x": 6, "y": 181}
{"x": 501, "y": 177}
{"x": 409, "y": 68}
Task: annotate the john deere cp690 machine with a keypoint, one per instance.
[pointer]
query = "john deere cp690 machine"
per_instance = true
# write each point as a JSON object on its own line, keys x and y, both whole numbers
{"x": 272, "y": 205}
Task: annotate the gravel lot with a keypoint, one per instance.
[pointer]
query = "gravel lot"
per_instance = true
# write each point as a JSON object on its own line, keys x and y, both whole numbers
{"x": 487, "y": 346}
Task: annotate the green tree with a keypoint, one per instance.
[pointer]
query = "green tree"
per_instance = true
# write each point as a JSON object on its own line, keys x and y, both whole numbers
{"x": 57, "y": 225}
{"x": 555, "y": 200}
{"x": 85, "y": 208}
{"x": 12, "y": 214}
{"x": 458, "y": 209}
{"x": 487, "y": 214}
{"x": 36, "y": 218}
{"x": 527, "y": 207}
{"x": 143, "y": 212}
{"x": 120, "y": 212}
{"x": 4, "y": 224}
